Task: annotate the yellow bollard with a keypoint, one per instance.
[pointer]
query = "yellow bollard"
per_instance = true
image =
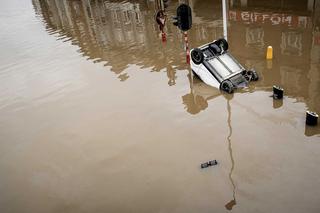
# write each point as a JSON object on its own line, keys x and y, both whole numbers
{"x": 269, "y": 52}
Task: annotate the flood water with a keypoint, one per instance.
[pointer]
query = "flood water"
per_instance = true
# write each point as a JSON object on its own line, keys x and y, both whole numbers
{"x": 99, "y": 113}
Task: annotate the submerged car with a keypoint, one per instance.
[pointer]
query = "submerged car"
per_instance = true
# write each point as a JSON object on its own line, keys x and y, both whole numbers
{"x": 215, "y": 66}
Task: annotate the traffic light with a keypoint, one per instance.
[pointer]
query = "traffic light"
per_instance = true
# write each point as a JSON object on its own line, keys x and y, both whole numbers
{"x": 184, "y": 17}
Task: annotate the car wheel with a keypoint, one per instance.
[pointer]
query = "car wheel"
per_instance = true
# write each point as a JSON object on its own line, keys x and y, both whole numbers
{"x": 227, "y": 86}
{"x": 215, "y": 48}
{"x": 223, "y": 44}
{"x": 197, "y": 56}
{"x": 254, "y": 75}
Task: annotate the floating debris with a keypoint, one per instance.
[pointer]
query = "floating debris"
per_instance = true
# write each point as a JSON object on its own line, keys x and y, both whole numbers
{"x": 209, "y": 163}
{"x": 277, "y": 92}
{"x": 311, "y": 118}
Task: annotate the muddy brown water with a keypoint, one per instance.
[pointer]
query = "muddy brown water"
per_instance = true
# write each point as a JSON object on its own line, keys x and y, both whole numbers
{"x": 99, "y": 114}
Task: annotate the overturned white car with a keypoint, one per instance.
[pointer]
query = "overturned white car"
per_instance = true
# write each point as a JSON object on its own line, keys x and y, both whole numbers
{"x": 215, "y": 66}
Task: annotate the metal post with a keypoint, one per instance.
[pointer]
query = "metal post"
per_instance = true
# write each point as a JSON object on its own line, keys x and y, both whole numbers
{"x": 224, "y": 14}
{"x": 187, "y": 47}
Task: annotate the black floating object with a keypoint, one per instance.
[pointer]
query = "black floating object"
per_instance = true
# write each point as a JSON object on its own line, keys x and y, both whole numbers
{"x": 209, "y": 163}
{"x": 277, "y": 92}
{"x": 311, "y": 118}
{"x": 212, "y": 162}
{"x": 204, "y": 165}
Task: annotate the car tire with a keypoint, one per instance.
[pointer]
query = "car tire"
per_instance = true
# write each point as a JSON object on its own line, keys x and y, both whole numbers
{"x": 197, "y": 56}
{"x": 254, "y": 75}
{"x": 227, "y": 86}
{"x": 223, "y": 44}
{"x": 215, "y": 48}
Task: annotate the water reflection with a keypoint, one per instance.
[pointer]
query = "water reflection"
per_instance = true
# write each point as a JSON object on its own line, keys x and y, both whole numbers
{"x": 291, "y": 28}
{"x": 116, "y": 33}
{"x": 232, "y": 202}
{"x": 119, "y": 34}
{"x": 200, "y": 93}
{"x": 277, "y": 103}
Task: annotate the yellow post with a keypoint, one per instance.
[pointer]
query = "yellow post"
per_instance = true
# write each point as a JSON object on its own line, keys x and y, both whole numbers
{"x": 269, "y": 52}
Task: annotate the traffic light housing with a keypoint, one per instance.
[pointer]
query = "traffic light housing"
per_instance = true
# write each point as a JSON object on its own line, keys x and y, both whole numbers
{"x": 183, "y": 20}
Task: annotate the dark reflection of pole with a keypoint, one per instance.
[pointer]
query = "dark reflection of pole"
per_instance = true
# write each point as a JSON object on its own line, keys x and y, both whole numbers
{"x": 233, "y": 202}
{"x": 160, "y": 4}
{"x": 313, "y": 15}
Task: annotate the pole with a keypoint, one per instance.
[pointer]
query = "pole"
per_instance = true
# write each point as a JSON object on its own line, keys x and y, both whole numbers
{"x": 187, "y": 47}
{"x": 224, "y": 14}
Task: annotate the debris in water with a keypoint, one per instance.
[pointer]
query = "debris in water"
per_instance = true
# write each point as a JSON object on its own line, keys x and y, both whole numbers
{"x": 311, "y": 118}
{"x": 277, "y": 92}
{"x": 209, "y": 163}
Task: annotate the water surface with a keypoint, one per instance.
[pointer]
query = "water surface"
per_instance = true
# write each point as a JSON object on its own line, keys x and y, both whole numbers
{"x": 99, "y": 114}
